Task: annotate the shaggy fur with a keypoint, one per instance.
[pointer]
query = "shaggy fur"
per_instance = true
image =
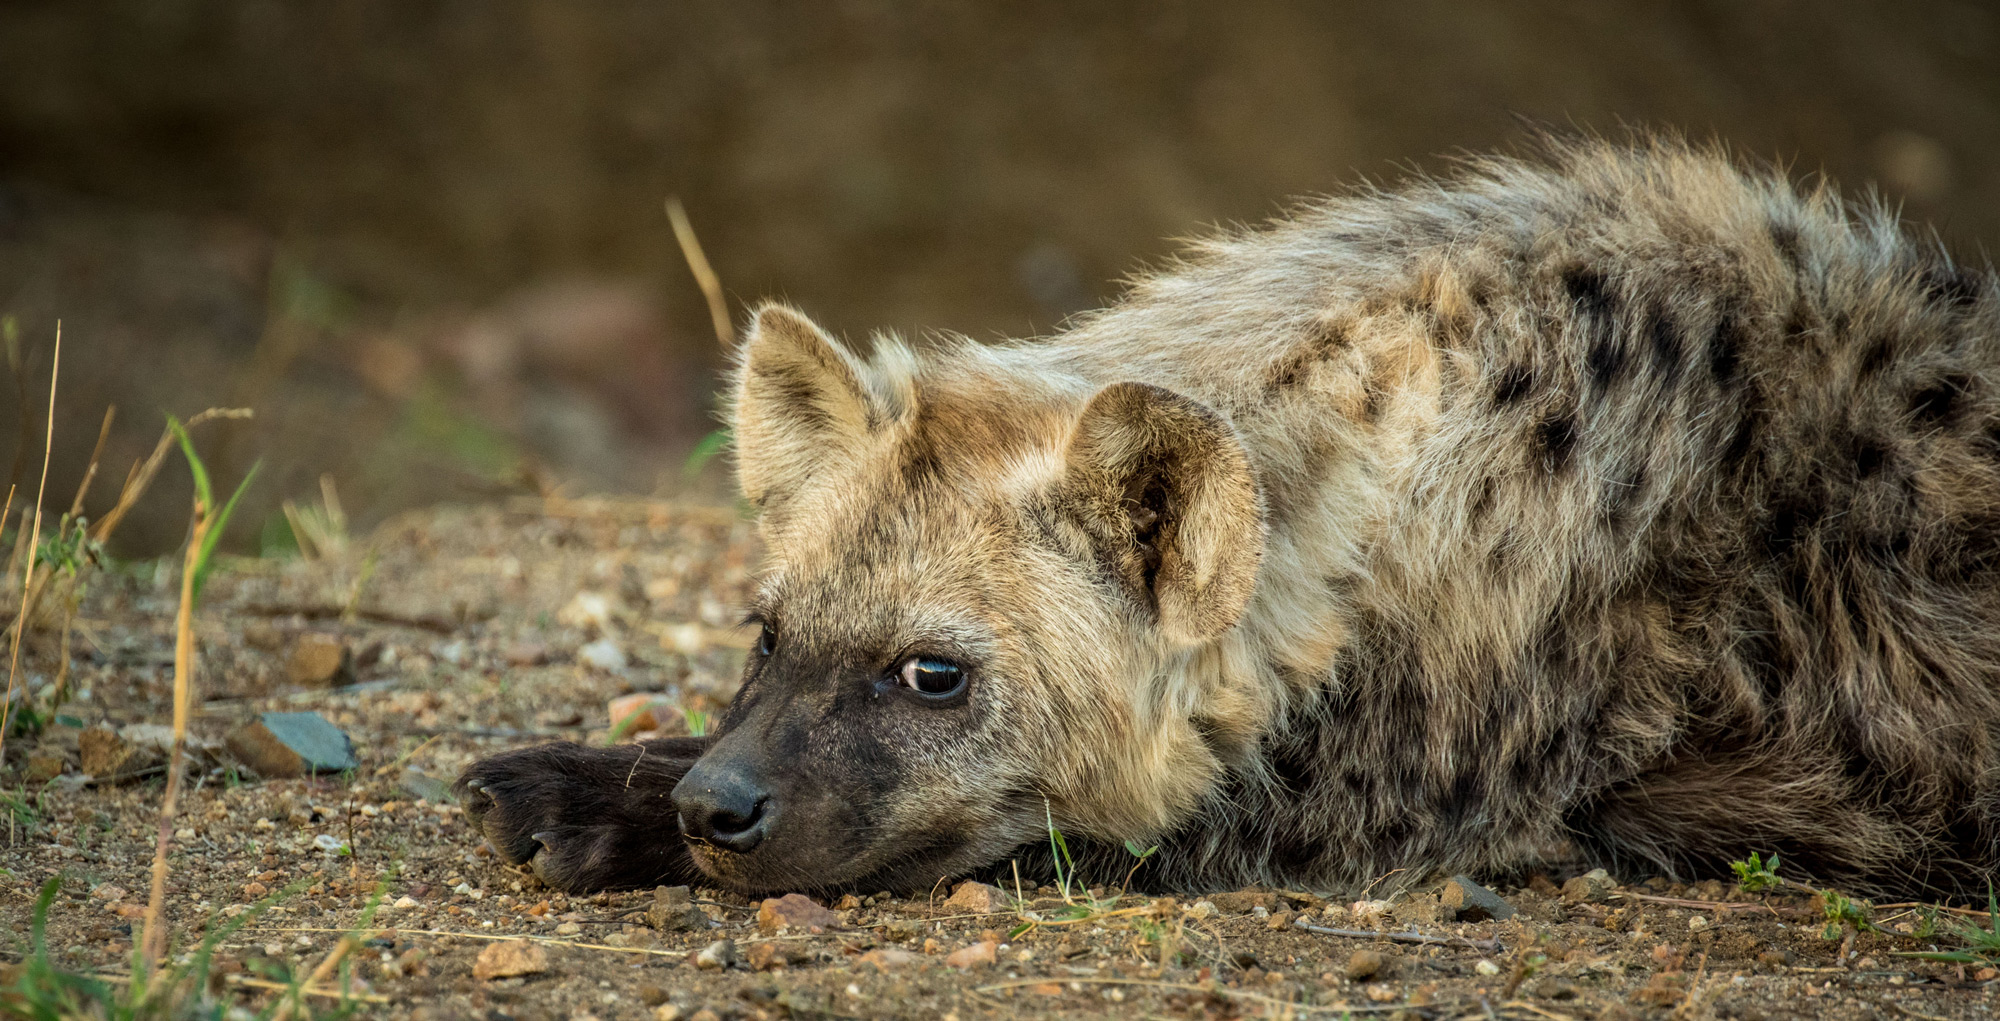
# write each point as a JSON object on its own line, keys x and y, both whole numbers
{"x": 1624, "y": 506}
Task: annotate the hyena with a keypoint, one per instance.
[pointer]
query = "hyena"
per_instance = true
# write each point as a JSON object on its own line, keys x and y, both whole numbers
{"x": 1621, "y": 504}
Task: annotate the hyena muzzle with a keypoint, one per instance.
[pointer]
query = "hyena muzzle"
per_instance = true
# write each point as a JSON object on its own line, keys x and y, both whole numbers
{"x": 1623, "y": 505}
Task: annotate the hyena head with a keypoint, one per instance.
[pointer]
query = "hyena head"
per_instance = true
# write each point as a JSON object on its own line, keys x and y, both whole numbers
{"x": 982, "y": 583}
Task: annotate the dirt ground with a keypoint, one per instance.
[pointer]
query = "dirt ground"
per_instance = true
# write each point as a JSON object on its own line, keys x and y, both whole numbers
{"x": 464, "y": 632}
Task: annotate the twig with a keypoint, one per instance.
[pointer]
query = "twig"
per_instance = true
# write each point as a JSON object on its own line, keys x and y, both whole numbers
{"x": 289, "y": 1004}
{"x": 141, "y": 476}
{"x": 305, "y": 990}
{"x": 1188, "y": 987}
{"x": 96, "y": 455}
{"x": 34, "y": 540}
{"x": 407, "y": 756}
{"x": 1488, "y": 946}
{"x": 704, "y": 275}
{"x": 499, "y": 938}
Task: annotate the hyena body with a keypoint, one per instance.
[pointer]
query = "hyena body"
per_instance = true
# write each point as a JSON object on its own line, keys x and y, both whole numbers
{"x": 1626, "y": 506}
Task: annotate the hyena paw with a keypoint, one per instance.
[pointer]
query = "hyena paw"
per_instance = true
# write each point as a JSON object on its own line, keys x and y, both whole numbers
{"x": 585, "y": 818}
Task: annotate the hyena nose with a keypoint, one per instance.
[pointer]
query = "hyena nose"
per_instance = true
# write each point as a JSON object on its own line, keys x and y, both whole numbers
{"x": 724, "y": 807}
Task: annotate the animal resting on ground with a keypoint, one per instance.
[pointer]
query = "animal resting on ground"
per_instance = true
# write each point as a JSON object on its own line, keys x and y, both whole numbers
{"x": 1625, "y": 505}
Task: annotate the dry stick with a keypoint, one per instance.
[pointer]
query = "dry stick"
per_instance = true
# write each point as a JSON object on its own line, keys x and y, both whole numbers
{"x": 155, "y": 932}
{"x": 21, "y": 620}
{"x": 704, "y": 274}
{"x": 141, "y": 475}
{"x": 96, "y": 454}
{"x": 1488, "y": 946}
{"x": 319, "y": 974}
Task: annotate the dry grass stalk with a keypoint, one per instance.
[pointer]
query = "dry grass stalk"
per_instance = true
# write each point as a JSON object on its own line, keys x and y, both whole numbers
{"x": 20, "y": 623}
{"x": 141, "y": 476}
{"x": 155, "y": 932}
{"x": 290, "y": 1003}
{"x": 704, "y": 274}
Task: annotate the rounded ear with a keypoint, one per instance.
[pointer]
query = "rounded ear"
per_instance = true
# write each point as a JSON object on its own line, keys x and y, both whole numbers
{"x": 1166, "y": 490}
{"x": 797, "y": 401}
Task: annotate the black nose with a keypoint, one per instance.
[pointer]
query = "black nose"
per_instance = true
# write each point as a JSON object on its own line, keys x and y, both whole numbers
{"x": 724, "y": 806}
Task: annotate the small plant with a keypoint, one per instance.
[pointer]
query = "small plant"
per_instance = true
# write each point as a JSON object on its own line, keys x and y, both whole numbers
{"x": 697, "y": 721}
{"x": 1140, "y": 855}
{"x": 1755, "y": 874}
{"x": 1844, "y": 914}
{"x": 1982, "y": 942}
{"x": 212, "y": 520}
{"x": 1059, "y": 851}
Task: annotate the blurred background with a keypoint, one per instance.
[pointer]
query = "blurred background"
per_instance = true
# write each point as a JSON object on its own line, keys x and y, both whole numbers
{"x": 425, "y": 240}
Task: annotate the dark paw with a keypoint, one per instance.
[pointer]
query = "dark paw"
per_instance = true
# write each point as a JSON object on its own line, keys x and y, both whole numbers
{"x": 586, "y": 818}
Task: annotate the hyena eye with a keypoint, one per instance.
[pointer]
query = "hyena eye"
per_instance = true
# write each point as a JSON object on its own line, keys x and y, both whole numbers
{"x": 767, "y": 641}
{"x": 933, "y": 678}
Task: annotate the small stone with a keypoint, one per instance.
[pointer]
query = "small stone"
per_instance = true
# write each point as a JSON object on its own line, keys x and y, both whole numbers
{"x": 328, "y": 842}
{"x": 1201, "y": 909}
{"x": 318, "y": 661}
{"x": 1381, "y": 992}
{"x": 971, "y": 898}
{"x": 254, "y": 889}
{"x": 889, "y": 959}
{"x": 1774, "y": 958}
{"x": 633, "y": 713}
{"x": 1363, "y": 964}
{"x": 666, "y": 1012}
{"x": 1486, "y": 968}
{"x": 1466, "y": 901}
{"x": 651, "y": 996}
{"x": 1986, "y": 974}
{"x": 1696, "y": 923}
{"x": 568, "y": 929}
{"x": 587, "y": 611}
{"x": 673, "y": 910}
{"x": 765, "y": 957}
{"x": 794, "y": 911}
{"x": 406, "y": 903}
{"x": 104, "y": 753}
{"x": 1367, "y": 912}
{"x": 109, "y": 893}
{"x": 1590, "y": 888}
{"x": 708, "y": 1014}
{"x": 509, "y": 958}
{"x": 984, "y": 952}
{"x": 292, "y": 744}
{"x": 527, "y": 654}
{"x": 42, "y": 766}
{"x": 717, "y": 955}
{"x": 1237, "y": 902}
{"x": 603, "y": 654}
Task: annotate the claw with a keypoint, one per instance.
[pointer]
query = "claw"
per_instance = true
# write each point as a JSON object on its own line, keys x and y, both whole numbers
{"x": 543, "y": 838}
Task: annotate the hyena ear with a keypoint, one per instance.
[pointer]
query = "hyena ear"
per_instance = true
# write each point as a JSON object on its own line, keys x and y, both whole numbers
{"x": 798, "y": 401}
{"x": 1166, "y": 490}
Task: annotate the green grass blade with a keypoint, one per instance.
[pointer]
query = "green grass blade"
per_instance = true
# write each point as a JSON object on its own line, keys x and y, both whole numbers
{"x": 202, "y": 489}
{"x": 215, "y": 527}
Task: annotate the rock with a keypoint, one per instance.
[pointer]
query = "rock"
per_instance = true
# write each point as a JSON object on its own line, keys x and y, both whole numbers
{"x": 717, "y": 955}
{"x": 1590, "y": 888}
{"x": 984, "y": 952}
{"x": 1363, "y": 964}
{"x": 1466, "y": 901}
{"x": 42, "y": 766}
{"x": 794, "y": 911}
{"x": 603, "y": 654}
{"x": 673, "y": 910}
{"x": 587, "y": 611}
{"x": 1486, "y": 968}
{"x": 508, "y": 959}
{"x": 568, "y": 929}
{"x": 104, "y": 753}
{"x": 1241, "y": 902}
{"x": 890, "y": 959}
{"x": 292, "y": 744}
{"x": 1412, "y": 907}
{"x": 1367, "y": 912}
{"x": 972, "y": 898}
{"x": 1201, "y": 909}
{"x": 1382, "y": 992}
{"x": 644, "y": 710}
{"x": 318, "y": 661}
{"x": 765, "y": 957}
{"x": 407, "y": 903}
{"x": 667, "y": 1012}
{"x": 523, "y": 654}
{"x": 652, "y": 996}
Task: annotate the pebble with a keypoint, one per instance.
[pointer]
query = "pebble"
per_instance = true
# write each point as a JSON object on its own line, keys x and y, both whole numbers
{"x": 587, "y": 611}
{"x": 292, "y": 744}
{"x": 1466, "y": 901}
{"x": 1381, "y": 992}
{"x": 717, "y": 955}
{"x": 509, "y": 958}
{"x": 667, "y": 1012}
{"x": 104, "y": 753}
{"x": 984, "y": 952}
{"x": 318, "y": 661}
{"x": 568, "y": 929}
{"x": 673, "y": 910}
{"x": 1589, "y": 888}
{"x": 328, "y": 842}
{"x": 603, "y": 654}
{"x": 765, "y": 957}
{"x": 1486, "y": 967}
{"x": 794, "y": 911}
{"x": 1201, "y": 909}
{"x": 406, "y": 903}
{"x": 1363, "y": 964}
{"x": 889, "y": 959}
{"x": 973, "y": 898}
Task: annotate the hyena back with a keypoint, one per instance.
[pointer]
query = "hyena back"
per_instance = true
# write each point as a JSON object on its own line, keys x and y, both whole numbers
{"x": 1626, "y": 505}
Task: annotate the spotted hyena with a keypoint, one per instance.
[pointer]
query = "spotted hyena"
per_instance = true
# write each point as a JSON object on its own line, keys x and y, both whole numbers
{"x": 1625, "y": 504}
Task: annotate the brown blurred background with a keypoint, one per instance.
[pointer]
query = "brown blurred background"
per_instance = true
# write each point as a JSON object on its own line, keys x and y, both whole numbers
{"x": 425, "y": 239}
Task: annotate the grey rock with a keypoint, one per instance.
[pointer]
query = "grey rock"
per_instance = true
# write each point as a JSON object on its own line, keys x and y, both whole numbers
{"x": 1463, "y": 900}
{"x": 717, "y": 955}
{"x": 673, "y": 910}
{"x": 1589, "y": 888}
{"x": 292, "y": 744}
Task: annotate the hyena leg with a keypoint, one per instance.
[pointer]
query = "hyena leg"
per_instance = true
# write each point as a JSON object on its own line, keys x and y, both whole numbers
{"x": 586, "y": 818}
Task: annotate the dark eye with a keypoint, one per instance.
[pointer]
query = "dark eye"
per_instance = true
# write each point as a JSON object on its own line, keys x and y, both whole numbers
{"x": 767, "y": 641}
{"x": 934, "y": 678}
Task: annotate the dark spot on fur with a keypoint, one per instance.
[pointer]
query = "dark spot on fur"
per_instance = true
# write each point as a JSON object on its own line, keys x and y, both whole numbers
{"x": 1371, "y": 402}
{"x": 1324, "y": 338}
{"x": 1875, "y": 358}
{"x": 1785, "y": 525}
{"x": 1951, "y": 286}
{"x": 1556, "y": 436}
{"x": 1785, "y": 238}
{"x": 1743, "y": 435}
{"x": 1667, "y": 351}
{"x": 1514, "y": 383}
{"x": 1605, "y": 359}
{"x": 1938, "y": 403}
{"x": 1725, "y": 348}
{"x": 1869, "y": 456}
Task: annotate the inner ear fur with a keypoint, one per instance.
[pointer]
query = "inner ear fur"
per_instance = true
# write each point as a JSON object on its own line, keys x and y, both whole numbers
{"x": 1167, "y": 489}
{"x": 798, "y": 400}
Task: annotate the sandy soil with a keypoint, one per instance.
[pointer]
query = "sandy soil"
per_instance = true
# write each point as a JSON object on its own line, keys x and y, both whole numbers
{"x": 464, "y": 635}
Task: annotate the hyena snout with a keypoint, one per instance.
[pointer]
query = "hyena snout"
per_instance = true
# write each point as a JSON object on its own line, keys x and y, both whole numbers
{"x": 725, "y": 803}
